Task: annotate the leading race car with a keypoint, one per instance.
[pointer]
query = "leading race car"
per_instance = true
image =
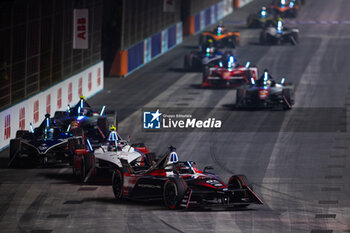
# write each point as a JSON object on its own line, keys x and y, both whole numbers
{"x": 181, "y": 185}
{"x": 221, "y": 38}
{"x": 278, "y": 34}
{"x": 82, "y": 119}
{"x": 285, "y": 8}
{"x": 89, "y": 159}
{"x": 227, "y": 72}
{"x": 266, "y": 93}
{"x": 263, "y": 18}
{"x": 46, "y": 144}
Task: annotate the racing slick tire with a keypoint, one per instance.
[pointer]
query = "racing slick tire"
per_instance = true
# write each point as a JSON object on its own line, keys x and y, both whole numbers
{"x": 294, "y": 38}
{"x": 239, "y": 182}
{"x": 262, "y": 38}
{"x": 251, "y": 22}
{"x": 21, "y": 133}
{"x": 85, "y": 167}
{"x": 239, "y": 97}
{"x": 188, "y": 62}
{"x": 205, "y": 74}
{"x": 117, "y": 184}
{"x": 173, "y": 192}
{"x": 235, "y": 41}
{"x": 15, "y": 150}
{"x": 60, "y": 114}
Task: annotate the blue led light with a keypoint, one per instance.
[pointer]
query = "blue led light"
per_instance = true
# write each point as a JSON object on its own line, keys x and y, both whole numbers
{"x": 266, "y": 76}
{"x": 247, "y": 64}
{"x": 252, "y": 81}
{"x": 80, "y": 118}
{"x": 282, "y": 81}
{"x": 102, "y": 110}
{"x": 89, "y": 144}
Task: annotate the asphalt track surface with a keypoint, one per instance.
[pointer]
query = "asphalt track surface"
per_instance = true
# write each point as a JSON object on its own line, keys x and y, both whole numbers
{"x": 298, "y": 161}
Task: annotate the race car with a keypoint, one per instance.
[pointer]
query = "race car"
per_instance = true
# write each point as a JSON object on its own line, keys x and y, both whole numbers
{"x": 266, "y": 93}
{"x": 285, "y": 8}
{"x": 227, "y": 72}
{"x": 279, "y": 34}
{"x": 263, "y": 18}
{"x": 207, "y": 56}
{"x": 221, "y": 38}
{"x": 82, "y": 119}
{"x": 89, "y": 159}
{"x": 46, "y": 144}
{"x": 181, "y": 185}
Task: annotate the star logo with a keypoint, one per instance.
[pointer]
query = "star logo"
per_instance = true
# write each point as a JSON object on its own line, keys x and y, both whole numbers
{"x": 151, "y": 120}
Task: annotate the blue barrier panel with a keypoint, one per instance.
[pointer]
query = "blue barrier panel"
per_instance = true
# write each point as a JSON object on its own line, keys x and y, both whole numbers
{"x": 207, "y": 19}
{"x": 171, "y": 36}
{"x": 135, "y": 56}
{"x": 156, "y": 44}
{"x": 197, "y": 22}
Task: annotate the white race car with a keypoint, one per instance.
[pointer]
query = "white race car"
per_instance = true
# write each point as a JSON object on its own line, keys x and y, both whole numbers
{"x": 88, "y": 160}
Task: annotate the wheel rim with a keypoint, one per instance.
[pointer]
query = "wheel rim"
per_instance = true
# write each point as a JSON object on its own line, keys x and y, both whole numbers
{"x": 117, "y": 185}
{"x": 170, "y": 195}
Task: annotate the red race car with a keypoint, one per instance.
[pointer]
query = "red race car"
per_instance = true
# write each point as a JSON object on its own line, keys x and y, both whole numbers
{"x": 180, "y": 184}
{"x": 228, "y": 73}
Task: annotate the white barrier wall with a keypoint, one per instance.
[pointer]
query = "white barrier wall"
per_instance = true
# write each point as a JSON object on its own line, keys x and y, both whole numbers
{"x": 244, "y": 2}
{"x": 57, "y": 97}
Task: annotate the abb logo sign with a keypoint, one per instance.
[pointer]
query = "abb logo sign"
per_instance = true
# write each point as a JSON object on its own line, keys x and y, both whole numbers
{"x": 48, "y": 104}
{"x": 22, "y": 118}
{"x": 98, "y": 76}
{"x": 80, "y": 30}
{"x": 70, "y": 87}
{"x": 89, "y": 82}
{"x": 80, "y": 87}
{"x": 7, "y": 131}
{"x": 59, "y": 98}
{"x": 36, "y": 111}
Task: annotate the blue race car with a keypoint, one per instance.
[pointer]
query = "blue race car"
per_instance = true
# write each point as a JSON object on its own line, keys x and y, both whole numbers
{"x": 83, "y": 120}
{"x": 46, "y": 144}
{"x": 206, "y": 57}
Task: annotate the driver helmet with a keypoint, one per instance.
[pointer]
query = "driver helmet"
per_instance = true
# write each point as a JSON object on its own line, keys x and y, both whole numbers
{"x": 263, "y": 11}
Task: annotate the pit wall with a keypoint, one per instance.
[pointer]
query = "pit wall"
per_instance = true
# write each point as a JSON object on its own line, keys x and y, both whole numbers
{"x": 33, "y": 110}
{"x": 128, "y": 60}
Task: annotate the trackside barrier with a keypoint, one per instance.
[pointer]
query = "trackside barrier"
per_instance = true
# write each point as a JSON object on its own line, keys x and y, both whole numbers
{"x": 208, "y": 16}
{"x": 57, "y": 97}
{"x": 241, "y": 3}
{"x": 131, "y": 59}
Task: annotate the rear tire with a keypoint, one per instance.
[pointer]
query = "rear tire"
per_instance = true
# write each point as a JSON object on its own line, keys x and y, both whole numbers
{"x": 262, "y": 38}
{"x": 22, "y": 133}
{"x": 15, "y": 150}
{"x": 173, "y": 192}
{"x": 205, "y": 74}
{"x": 239, "y": 182}
{"x": 188, "y": 62}
{"x": 117, "y": 184}
{"x": 294, "y": 39}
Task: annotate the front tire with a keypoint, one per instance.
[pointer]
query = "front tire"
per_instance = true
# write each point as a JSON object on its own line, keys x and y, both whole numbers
{"x": 262, "y": 38}
{"x": 173, "y": 193}
{"x": 15, "y": 150}
{"x": 239, "y": 182}
{"x": 117, "y": 184}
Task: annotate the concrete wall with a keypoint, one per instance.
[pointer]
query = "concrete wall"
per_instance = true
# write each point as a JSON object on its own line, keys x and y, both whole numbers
{"x": 57, "y": 97}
